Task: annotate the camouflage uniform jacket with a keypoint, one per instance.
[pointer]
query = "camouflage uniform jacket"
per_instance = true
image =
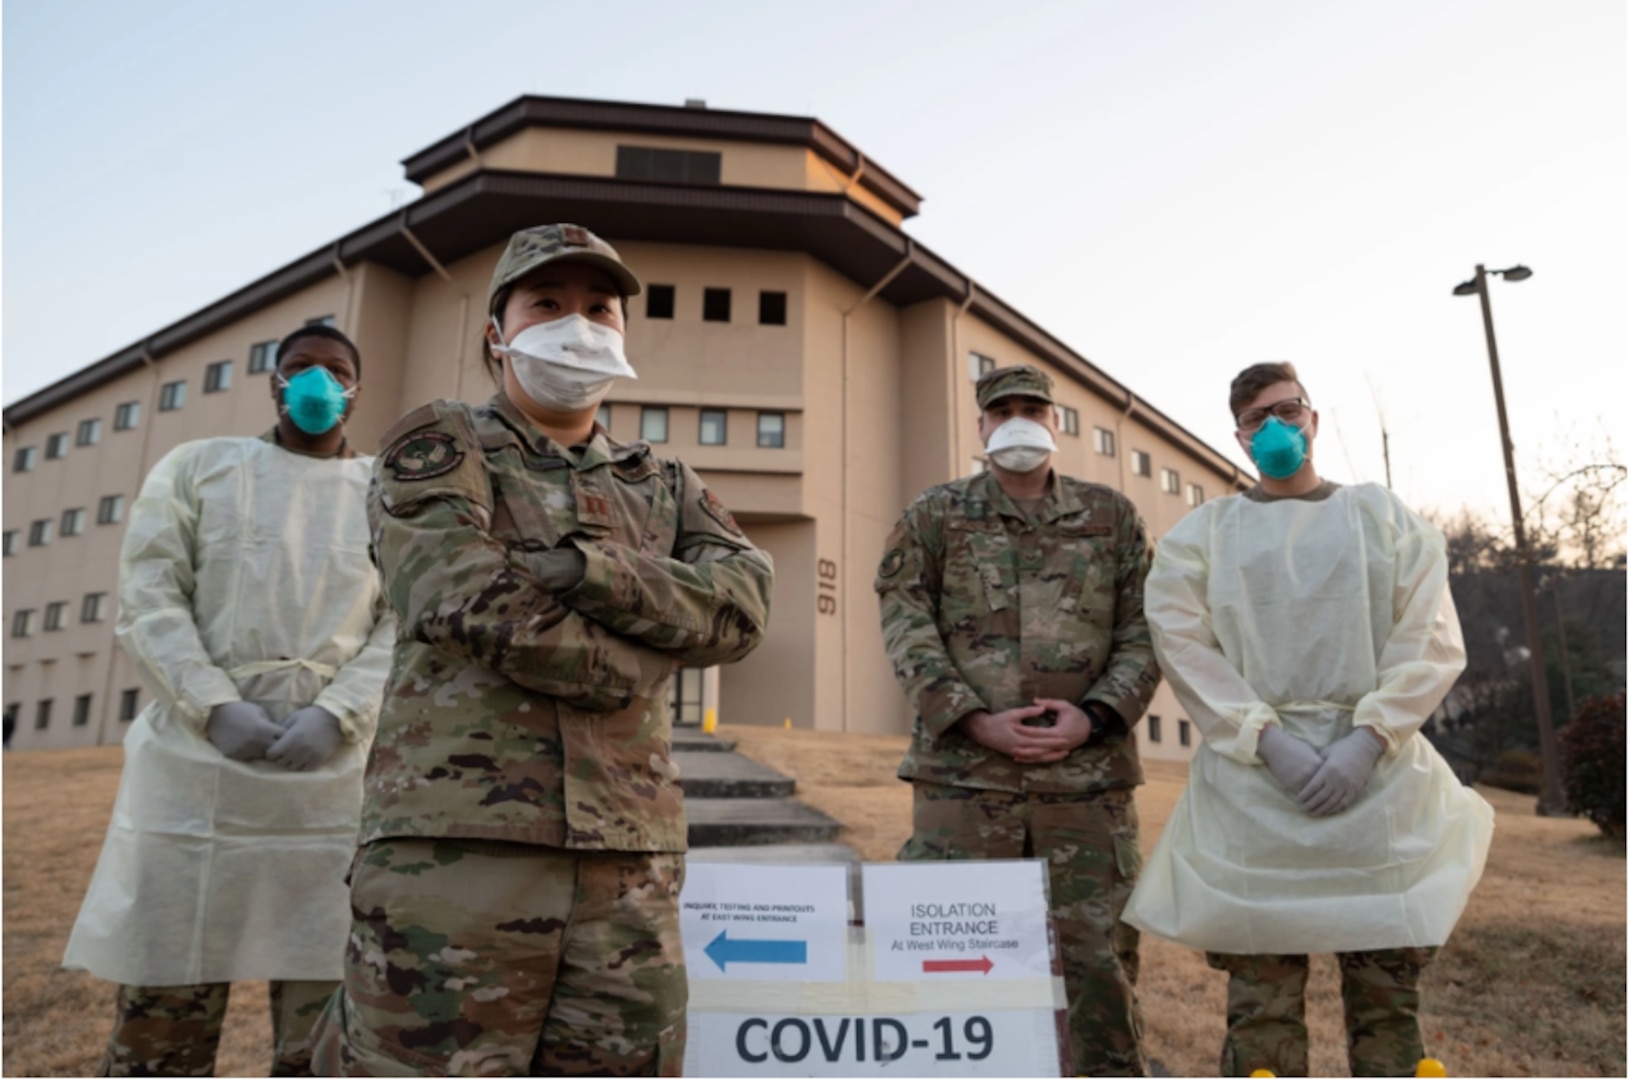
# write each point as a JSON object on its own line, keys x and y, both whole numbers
{"x": 983, "y": 610}
{"x": 534, "y": 711}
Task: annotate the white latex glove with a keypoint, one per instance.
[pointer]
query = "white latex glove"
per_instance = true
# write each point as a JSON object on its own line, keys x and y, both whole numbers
{"x": 1292, "y": 761}
{"x": 311, "y": 737}
{"x": 1348, "y": 762}
{"x": 241, "y": 731}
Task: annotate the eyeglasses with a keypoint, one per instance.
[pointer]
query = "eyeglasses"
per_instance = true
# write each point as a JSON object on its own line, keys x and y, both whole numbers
{"x": 1290, "y": 410}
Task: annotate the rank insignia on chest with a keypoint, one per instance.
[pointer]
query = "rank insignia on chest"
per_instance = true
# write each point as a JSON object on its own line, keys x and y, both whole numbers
{"x": 422, "y": 455}
{"x": 720, "y": 513}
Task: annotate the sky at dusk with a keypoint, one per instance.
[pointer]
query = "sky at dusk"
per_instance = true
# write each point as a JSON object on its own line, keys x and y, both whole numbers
{"x": 1174, "y": 188}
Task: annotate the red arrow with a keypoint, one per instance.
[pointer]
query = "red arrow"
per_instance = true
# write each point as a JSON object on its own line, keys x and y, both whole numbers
{"x": 981, "y": 964}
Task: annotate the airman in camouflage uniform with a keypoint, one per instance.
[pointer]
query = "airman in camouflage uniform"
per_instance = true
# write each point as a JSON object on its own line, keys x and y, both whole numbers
{"x": 515, "y": 900}
{"x": 1015, "y": 626}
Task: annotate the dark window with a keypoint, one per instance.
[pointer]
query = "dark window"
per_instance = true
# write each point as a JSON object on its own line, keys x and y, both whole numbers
{"x": 82, "y": 705}
{"x": 12, "y": 536}
{"x": 12, "y": 711}
{"x": 56, "y": 613}
{"x": 658, "y": 301}
{"x": 262, "y": 357}
{"x": 1170, "y": 482}
{"x": 1103, "y": 441}
{"x": 39, "y": 533}
{"x": 110, "y": 511}
{"x": 1153, "y": 728}
{"x": 73, "y": 521}
{"x": 90, "y": 432}
{"x": 172, "y": 395}
{"x": 42, "y": 715}
{"x": 91, "y": 610}
{"x": 25, "y": 459}
{"x": 1141, "y": 463}
{"x": 1196, "y": 495}
{"x": 979, "y": 365}
{"x": 1071, "y": 421}
{"x": 1184, "y": 732}
{"x": 715, "y": 305}
{"x": 714, "y": 427}
{"x": 321, "y": 320}
{"x": 772, "y": 309}
{"x": 602, "y": 417}
{"x": 22, "y": 622}
{"x": 772, "y": 429}
{"x": 653, "y": 423}
{"x": 56, "y": 445}
{"x": 687, "y": 696}
{"x": 127, "y": 416}
{"x": 218, "y": 377}
{"x": 669, "y": 166}
{"x": 129, "y": 704}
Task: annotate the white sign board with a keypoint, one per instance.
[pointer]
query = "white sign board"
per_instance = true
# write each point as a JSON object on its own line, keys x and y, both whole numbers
{"x": 957, "y": 920}
{"x": 758, "y": 921}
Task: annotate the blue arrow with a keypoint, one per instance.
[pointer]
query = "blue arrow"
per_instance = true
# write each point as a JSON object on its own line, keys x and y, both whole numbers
{"x": 723, "y": 951}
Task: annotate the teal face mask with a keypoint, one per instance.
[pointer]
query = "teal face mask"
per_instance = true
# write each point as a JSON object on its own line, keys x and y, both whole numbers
{"x": 315, "y": 400}
{"x": 1279, "y": 449}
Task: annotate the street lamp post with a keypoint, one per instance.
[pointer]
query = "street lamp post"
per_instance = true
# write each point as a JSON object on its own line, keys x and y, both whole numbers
{"x": 1551, "y": 802}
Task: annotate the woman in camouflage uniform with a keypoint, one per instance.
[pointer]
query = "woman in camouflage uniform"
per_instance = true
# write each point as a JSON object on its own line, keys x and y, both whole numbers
{"x": 515, "y": 898}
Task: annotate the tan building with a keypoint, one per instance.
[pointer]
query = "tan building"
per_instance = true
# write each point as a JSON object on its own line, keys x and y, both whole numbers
{"x": 794, "y": 344}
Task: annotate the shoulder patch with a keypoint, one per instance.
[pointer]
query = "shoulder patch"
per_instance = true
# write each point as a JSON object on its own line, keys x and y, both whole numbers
{"x": 891, "y": 563}
{"x": 423, "y": 455}
{"x": 720, "y": 513}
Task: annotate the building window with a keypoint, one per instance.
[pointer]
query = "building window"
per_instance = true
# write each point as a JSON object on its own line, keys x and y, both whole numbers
{"x": 979, "y": 365}
{"x": 42, "y": 715}
{"x": 93, "y": 607}
{"x": 1170, "y": 482}
{"x": 218, "y": 377}
{"x": 82, "y": 705}
{"x": 56, "y": 446}
{"x": 1141, "y": 463}
{"x": 1153, "y": 728}
{"x": 73, "y": 521}
{"x": 56, "y": 614}
{"x": 12, "y": 536}
{"x": 262, "y": 357}
{"x": 1071, "y": 421}
{"x": 90, "y": 432}
{"x": 110, "y": 511}
{"x": 12, "y": 712}
{"x": 653, "y": 423}
{"x": 321, "y": 320}
{"x": 1196, "y": 494}
{"x": 772, "y": 430}
{"x": 22, "y": 622}
{"x": 172, "y": 395}
{"x": 658, "y": 301}
{"x": 772, "y": 309}
{"x": 714, "y": 427}
{"x": 715, "y": 305}
{"x": 129, "y": 704}
{"x": 39, "y": 533}
{"x": 602, "y": 417}
{"x": 669, "y": 166}
{"x": 127, "y": 416}
{"x": 25, "y": 460}
{"x": 1103, "y": 441}
{"x": 687, "y": 696}
{"x": 1184, "y": 732}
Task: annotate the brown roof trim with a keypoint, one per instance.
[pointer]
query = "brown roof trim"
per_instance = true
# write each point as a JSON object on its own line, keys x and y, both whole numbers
{"x": 674, "y": 121}
{"x": 486, "y": 207}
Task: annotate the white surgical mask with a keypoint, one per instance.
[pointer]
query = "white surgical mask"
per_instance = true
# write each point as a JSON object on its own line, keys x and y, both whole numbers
{"x": 568, "y": 364}
{"x": 1020, "y": 445}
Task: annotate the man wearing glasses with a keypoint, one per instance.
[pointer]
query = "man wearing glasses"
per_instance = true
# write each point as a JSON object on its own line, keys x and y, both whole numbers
{"x": 1308, "y": 630}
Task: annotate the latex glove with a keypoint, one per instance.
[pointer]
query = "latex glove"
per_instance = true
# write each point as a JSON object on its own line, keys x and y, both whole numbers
{"x": 311, "y": 736}
{"x": 1347, "y": 765}
{"x": 241, "y": 731}
{"x": 1292, "y": 761}
{"x": 559, "y": 569}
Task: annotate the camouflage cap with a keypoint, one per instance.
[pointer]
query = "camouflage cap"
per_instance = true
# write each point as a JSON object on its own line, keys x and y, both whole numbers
{"x": 543, "y": 244}
{"x": 1008, "y": 381}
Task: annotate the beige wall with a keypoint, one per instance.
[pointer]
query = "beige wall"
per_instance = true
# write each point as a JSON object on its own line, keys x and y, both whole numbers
{"x": 777, "y": 682}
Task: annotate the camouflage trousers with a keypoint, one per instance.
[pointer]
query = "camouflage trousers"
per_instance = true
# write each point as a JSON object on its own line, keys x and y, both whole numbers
{"x": 1090, "y": 846}
{"x": 1266, "y": 1010}
{"x": 175, "y": 1030}
{"x": 489, "y": 958}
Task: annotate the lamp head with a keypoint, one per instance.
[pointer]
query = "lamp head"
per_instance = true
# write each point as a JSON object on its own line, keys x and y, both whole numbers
{"x": 1517, "y": 273}
{"x": 1465, "y": 288}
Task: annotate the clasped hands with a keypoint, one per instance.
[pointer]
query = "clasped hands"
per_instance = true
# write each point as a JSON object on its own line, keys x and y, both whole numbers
{"x": 304, "y": 740}
{"x": 1006, "y": 733}
{"x": 1323, "y": 783}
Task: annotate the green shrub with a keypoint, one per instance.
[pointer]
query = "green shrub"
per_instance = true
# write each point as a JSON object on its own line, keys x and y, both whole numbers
{"x": 1593, "y": 762}
{"x": 1521, "y": 771}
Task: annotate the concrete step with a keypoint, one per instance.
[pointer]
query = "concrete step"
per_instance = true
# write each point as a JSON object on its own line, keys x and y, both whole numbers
{"x": 709, "y": 775}
{"x": 739, "y": 822}
{"x": 695, "y": 740}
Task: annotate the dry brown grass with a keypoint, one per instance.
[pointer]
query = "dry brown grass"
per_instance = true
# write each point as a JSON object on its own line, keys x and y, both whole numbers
{"x": 1532, "y": 983}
